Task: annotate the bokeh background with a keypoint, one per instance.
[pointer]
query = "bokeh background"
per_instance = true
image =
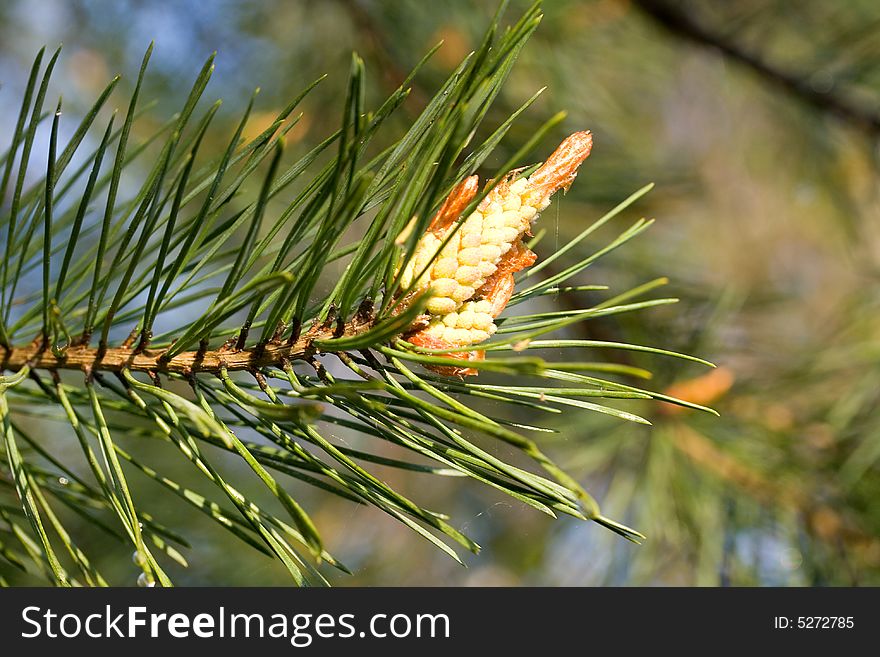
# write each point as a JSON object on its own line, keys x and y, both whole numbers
{"x": 759, "y": 124}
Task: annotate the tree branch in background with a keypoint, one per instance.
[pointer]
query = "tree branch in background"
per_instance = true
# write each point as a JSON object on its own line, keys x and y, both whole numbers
{"x": 684, "y": 26}
{"x": 822, "y": 521}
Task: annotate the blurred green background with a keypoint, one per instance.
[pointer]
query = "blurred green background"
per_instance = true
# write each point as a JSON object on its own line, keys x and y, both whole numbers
{"x": 757, "y": 121}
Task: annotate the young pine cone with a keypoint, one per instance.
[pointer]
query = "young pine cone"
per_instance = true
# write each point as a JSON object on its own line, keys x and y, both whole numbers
{"x": 470, "y": 281}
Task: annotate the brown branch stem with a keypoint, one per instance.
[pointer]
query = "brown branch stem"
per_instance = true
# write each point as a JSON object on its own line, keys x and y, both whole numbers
{"x": 115, "y": 359}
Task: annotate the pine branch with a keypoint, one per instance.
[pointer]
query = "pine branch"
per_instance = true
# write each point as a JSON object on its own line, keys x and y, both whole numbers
{"x": 238, "y": 279}
{"x": 207, "y": 361}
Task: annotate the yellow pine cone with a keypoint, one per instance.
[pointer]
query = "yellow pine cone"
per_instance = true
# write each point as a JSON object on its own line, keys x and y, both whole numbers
{"x": 472, "y": 323}
{"x": 465, "y": 297}
{"x": 473, "y": 252}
